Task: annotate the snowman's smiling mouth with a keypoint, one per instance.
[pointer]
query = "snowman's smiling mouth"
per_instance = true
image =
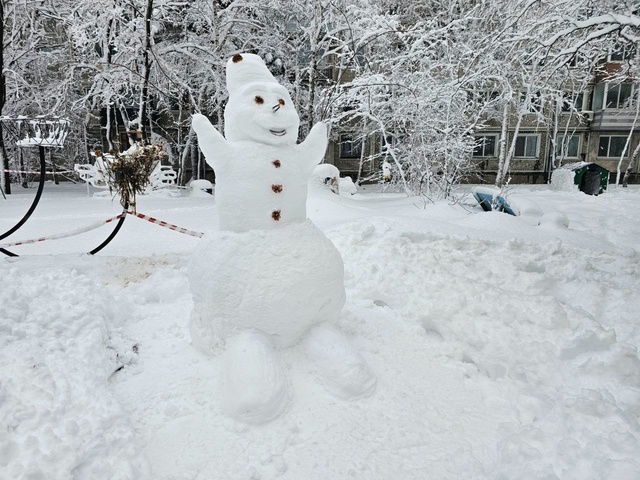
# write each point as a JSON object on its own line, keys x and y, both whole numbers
{"x": 278, "y": 133}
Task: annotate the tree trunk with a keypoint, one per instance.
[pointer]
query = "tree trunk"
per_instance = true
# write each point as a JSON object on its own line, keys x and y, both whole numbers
{"x": 313, "y": 68}
{"x": 5, "y": 179}
{"x": 627, "y": 144}
{"x": 503, "y": 143}
{"x": 22, "y": 176}
{"x": 507, "y": 160}
{"x": 362, "y": 152}
{"x": 553, "y": 159}
{"x": 186, "y": 153}
{"x": 144, "y": 94}
{"x": 56, "y": 181}
{"x": 632, "y": 160}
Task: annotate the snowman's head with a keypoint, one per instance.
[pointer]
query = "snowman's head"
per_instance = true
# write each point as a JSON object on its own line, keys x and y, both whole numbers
{"x": 259, "y": 108}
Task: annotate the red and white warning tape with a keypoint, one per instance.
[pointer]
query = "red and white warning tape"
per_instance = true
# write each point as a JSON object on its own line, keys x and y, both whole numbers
{"x": 60, "y": 172}
{"x": 175, "y": 228}
{"x": 93, "y": 226}
{"x": 58, "y": 236}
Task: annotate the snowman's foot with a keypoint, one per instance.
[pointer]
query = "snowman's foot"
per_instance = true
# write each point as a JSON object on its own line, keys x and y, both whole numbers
{"x": 341, "y": 369}
{"x": 254, "y": 387}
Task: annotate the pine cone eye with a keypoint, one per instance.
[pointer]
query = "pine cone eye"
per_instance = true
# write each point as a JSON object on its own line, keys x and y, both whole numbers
{"x": 281, "y": 102}
{"x": 259, "y": 100}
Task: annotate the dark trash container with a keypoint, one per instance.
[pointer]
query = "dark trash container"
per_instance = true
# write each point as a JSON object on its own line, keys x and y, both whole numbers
{"x": 591, "y": 178}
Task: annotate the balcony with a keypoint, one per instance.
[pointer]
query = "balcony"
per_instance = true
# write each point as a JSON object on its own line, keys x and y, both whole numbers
{"x": 614, "y": 119}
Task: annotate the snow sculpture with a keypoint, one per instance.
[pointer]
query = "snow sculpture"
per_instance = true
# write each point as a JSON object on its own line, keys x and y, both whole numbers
{"x": 269, "y": 278}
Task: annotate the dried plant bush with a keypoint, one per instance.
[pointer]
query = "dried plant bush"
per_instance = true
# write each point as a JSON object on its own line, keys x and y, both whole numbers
{"x": 129, "y": 171}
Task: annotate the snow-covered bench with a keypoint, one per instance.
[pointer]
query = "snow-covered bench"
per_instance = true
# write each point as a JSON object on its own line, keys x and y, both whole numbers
{"x": 96, "y": 174}
{"x": 327, "y": 176}
{"x": 163, "y": 176}
{"x": 93, "y": 174}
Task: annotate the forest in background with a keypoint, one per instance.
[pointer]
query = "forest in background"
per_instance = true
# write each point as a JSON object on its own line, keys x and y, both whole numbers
{"x": 423, "y": 78}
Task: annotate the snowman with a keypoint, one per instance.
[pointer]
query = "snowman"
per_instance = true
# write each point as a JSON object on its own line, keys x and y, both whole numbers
{"x": 269, "y": 279}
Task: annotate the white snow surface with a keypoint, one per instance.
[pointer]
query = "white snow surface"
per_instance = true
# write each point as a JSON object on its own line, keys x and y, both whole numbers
{"x": 503, "y": 348}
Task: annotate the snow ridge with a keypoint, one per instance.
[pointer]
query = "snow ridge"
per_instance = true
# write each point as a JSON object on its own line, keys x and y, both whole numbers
{"x": 59, "y": 417}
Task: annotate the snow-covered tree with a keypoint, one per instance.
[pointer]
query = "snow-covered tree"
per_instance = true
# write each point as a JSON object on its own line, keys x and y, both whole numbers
{"x": 416, "y": 80}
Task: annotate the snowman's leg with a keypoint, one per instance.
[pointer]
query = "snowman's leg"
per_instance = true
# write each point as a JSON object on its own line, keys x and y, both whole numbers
{"x": 254, "y": 387}
{"x": 341, "y": 369}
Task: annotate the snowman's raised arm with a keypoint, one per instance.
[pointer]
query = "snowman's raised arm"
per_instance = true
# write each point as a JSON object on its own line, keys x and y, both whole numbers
{"x": 211, "y": 142}
{"x": 314, "y": 146}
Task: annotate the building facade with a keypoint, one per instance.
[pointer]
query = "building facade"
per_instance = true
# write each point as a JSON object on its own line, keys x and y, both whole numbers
{"x": 598, "y": 124}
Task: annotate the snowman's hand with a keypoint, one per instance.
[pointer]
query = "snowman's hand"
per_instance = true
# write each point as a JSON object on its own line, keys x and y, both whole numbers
{"x": 315, "y": 144}
{"x": 211, "y": 142}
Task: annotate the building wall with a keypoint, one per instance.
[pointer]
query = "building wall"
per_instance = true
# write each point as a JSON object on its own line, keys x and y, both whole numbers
{"x": 611, "y": 122}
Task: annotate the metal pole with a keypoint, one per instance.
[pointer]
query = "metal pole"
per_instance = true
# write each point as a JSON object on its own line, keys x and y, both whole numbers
{"x": 34, "y": 204}
{"x": 114, "y": 233}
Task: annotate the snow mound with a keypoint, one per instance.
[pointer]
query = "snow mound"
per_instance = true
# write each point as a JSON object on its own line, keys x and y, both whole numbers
{"x": 323, "y": 172}
{"x": 347, "y": 187}
{"x": 554, "y": 219}
{"x": 562, "y": 180}
{"x": 201, "y": 188}
{"x": 60, "y": 419}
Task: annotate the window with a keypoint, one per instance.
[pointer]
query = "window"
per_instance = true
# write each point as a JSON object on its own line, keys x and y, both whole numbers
{"x": 485, "y": 146}
{"x": 611, "y": 146}
{"x": 483, "y": 96}
{"x": 567, "y": 147}
{"x": 607, "y": 95}
{"x": 349, "y": 147}
{"x": 531, "y": 103}
{"x": 598, "y": 96}
{"x": 390, "y": 142}
{"x": 527, "y": 145}
{"x": 622, "y": 52}
{"x": 292, "y": 25}
{"x": 572, "y": 102}
{"x": 618, "y": 95}
{"x": 361, "y": 56}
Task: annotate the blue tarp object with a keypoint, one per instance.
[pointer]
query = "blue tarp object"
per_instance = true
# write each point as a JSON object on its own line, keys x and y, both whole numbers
{"x": 488, "y": 199}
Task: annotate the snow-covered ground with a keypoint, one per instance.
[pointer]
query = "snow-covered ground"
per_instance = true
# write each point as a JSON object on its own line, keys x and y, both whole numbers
{"x": 504, "y": 349}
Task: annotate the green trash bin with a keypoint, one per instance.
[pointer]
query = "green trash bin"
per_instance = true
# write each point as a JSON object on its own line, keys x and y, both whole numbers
{"x": 591, "y": 178}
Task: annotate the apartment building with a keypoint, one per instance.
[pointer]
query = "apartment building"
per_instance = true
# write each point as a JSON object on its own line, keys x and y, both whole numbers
{"x": 599, "y": 123}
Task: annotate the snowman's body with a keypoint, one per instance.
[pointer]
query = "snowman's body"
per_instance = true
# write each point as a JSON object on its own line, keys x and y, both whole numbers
{"x": 261, "y": 173}
{"x": 269, "y": 275}
{"x": 281, "y": 282}
{"x": 260, "y": 181}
